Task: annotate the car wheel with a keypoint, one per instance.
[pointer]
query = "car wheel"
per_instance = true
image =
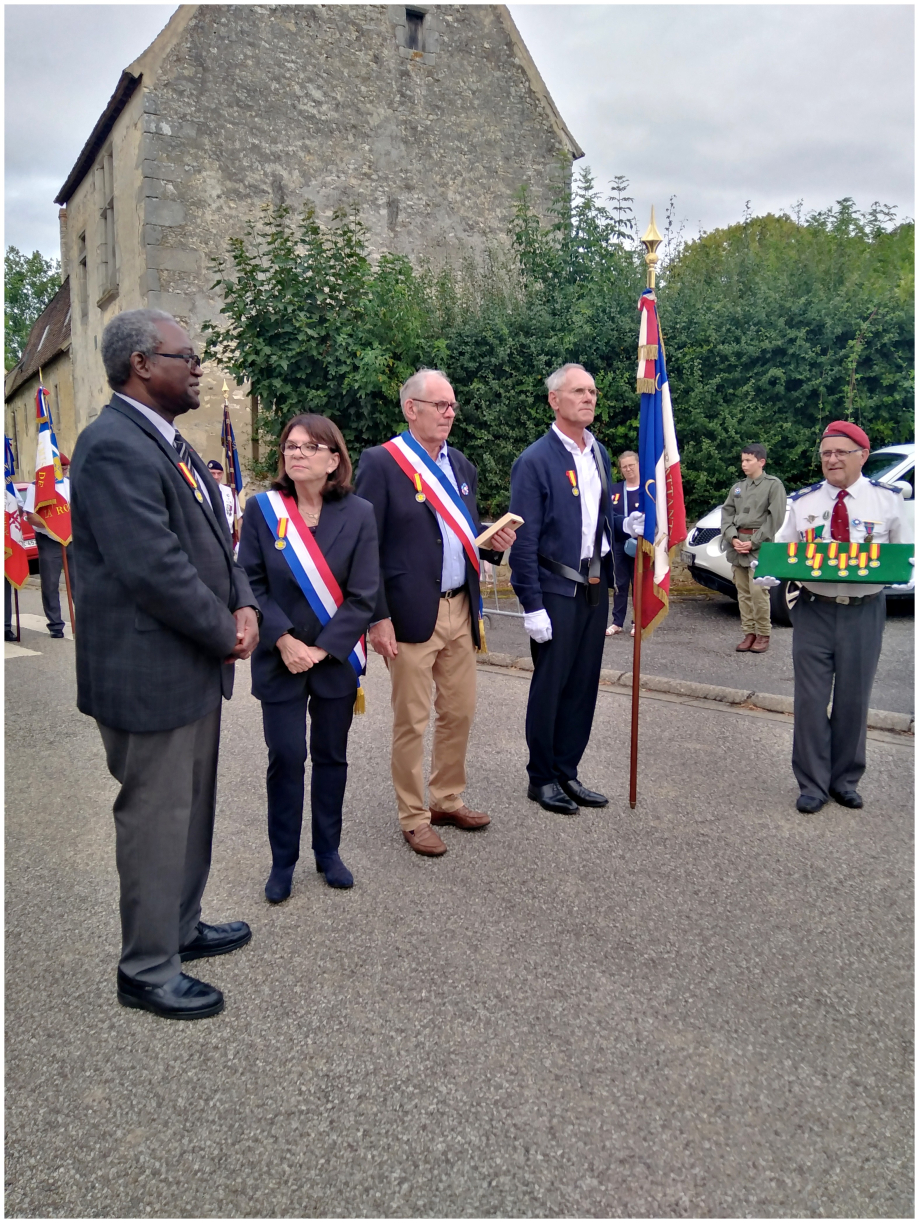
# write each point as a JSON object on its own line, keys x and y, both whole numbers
{"x": 781, "y": 600}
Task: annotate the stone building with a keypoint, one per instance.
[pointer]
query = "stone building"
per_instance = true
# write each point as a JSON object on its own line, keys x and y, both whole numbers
{"x": 427, "y": 118}
{"x": 47, "y": 350}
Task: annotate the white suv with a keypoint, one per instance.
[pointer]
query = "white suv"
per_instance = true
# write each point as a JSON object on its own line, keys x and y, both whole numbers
{"x": 703, "y": 552}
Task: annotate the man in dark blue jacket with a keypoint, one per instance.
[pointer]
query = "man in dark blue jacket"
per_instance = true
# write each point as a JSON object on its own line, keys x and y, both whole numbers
{"x": 426, "y": 623}
{"x": 560, "y": 570}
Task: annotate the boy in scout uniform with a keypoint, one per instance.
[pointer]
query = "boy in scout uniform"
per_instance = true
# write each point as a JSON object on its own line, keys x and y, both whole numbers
{"x": 837, "y": 635}
{"x": 753, "y": 512}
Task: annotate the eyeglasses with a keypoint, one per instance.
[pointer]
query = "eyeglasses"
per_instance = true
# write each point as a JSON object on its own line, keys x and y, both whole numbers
{"x": 191, "y": 359}
{"x": 838, "y": 454}
{"x": 307, "y": 449}
{"x": 442, "y": 405}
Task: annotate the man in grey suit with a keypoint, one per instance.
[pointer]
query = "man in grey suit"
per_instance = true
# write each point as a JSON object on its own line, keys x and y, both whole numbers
{"x": 164, "y": 612}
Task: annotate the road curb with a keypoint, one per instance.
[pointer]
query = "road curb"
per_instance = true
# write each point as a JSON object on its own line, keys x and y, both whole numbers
{"x": 878, "y": 719}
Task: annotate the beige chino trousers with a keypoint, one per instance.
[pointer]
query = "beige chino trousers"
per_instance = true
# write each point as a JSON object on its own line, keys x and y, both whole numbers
{"x": 443, "y": 667}
{"x": 753, "y": 601}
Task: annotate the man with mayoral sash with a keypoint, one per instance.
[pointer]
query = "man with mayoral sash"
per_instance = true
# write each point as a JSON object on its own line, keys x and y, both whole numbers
{"x": 426, "y": 625}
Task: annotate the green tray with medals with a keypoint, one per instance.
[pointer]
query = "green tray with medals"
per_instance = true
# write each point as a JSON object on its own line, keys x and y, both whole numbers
{"x": 828, "y": 560}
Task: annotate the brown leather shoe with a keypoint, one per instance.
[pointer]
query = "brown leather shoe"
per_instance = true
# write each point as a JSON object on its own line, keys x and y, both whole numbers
{"x": 424, "y": 840}
{"x": 747, "y": 642}
{"x": 462, "y": 817}
{"x": 760, "y": 645}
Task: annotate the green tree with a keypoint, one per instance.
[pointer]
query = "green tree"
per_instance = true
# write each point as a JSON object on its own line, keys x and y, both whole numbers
{"x": 30, "y": 281}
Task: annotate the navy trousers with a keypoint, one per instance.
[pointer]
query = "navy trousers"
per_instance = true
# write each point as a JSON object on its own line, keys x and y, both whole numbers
{"x": 50, "y": 568}
{"x": 841, "y": 643}
{"x": 624, "y": 570}
{"x": 563, "y": 690}
{"x": 284, "y": 724}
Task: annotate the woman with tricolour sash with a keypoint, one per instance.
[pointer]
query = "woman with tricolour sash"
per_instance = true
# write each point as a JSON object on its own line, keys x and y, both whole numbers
{"x": 309, "y": 548}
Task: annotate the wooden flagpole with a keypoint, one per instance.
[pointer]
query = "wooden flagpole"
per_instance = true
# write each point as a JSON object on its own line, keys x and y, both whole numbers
{"x": 651, "y": 240}
{"x": 73, "y": 624}
{"x": 638, "y": 581}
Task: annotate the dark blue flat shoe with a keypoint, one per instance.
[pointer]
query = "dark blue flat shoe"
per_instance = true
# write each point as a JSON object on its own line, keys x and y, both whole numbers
{"x": 278, "y": 886}
{"x": 336, "y": 873}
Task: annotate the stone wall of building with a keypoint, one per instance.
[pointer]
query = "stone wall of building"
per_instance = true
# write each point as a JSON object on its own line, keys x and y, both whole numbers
{"x": 430, "y": 132}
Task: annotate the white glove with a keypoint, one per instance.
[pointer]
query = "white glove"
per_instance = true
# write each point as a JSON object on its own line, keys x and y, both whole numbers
{"x": 538, "y": 625}
{"x": 634, "y": 525}
{"x": 767, "y": 581}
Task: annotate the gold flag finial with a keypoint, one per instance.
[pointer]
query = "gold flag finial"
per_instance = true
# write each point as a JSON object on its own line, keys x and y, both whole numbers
{"x": 226, "y": 389}
{"x": 651, "y": 240}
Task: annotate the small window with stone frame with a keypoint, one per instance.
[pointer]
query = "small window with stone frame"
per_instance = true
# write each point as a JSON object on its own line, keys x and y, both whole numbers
{"x": 414, "y": 29}
{"x": 82, "y": 297}
{"x": 105, "y": 196}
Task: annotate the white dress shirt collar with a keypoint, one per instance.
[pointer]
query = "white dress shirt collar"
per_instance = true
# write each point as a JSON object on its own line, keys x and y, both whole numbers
{"x": 159, "y": 422}
{"x": 571, "y": 446}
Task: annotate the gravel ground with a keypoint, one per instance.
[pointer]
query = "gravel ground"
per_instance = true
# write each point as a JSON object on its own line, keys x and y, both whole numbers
{"x": 703, "y": 1007}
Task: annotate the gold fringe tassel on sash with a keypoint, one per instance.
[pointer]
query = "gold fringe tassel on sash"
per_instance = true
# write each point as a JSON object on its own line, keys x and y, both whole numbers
{"x": 360, "y": 705}
{"x": 483, "y": 645}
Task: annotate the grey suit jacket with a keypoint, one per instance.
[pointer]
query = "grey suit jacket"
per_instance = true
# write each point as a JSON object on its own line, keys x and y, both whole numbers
{"x": 158, "y": 581}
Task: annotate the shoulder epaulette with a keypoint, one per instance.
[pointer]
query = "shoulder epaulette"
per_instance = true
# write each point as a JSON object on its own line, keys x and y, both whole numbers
{"x": 802, "y": 492}
{"x": 889, "y": 487}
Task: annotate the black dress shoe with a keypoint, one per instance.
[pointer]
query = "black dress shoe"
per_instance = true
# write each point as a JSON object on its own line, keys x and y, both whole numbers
{"x": 182, "y": 997}
{"x": 9, "y": 635}
{"x": 808, "y": 804}
{"x": 847, "y": 798}
{"x": 216, "y": 940}
{"x": 552, "y": 798}
{"x": 277, "y": 889}
{"x": 582, "y": 796}
{"x": 57, "y": 636}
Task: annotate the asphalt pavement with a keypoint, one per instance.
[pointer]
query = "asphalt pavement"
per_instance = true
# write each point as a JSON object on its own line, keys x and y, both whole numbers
{"x": 702, "y": 1007}
{"x": 696, "y": 641}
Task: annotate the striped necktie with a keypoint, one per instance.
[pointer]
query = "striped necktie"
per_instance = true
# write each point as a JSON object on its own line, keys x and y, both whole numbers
{"x": 182, "y": 448}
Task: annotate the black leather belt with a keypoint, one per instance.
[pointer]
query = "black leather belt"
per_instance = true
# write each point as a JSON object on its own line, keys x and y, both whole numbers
{"x": 563, "y": 571}
{"x": 845, "y": 600}
{"x": 451, "y": 594}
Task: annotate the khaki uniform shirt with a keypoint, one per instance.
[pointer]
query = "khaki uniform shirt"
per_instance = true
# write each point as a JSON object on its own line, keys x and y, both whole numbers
{"x": 753, "y": 504}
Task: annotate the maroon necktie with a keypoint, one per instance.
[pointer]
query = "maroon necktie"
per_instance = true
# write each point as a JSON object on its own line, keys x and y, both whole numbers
{"x": 839, "y": 523}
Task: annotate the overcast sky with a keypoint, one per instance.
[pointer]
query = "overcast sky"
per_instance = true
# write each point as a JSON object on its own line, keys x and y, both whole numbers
{"x": 715, "y": 104}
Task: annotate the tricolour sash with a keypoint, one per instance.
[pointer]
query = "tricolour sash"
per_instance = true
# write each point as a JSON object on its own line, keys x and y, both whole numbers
{"x": 436, "y": 488}
{"x": 309, "y": 567}
{"x": 432, "y": 485}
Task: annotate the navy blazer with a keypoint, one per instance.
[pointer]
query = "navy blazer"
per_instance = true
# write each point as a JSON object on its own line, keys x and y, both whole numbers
{"x": 158, "y": 583}
{"x": 347, "y": 538}
{"x": 411, "y": 547}
{"x": 542, "y": 495}
{"x": 619, "y": 498}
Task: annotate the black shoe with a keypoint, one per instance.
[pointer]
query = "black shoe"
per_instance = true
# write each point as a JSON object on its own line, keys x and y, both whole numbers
{"x": 9, "y": 636}
{"x": 182, "y": 997}
{"x": 277, "y": 889}
{"x": 57, "y": 636}
{"x": 216, "y": 940}
{"x": 847, "y": 798}
{"x": 808, "y": 804}
{"x": 552, "y": 798}
{"x": 336, "y": 873}
{"x": 582, "y": 796}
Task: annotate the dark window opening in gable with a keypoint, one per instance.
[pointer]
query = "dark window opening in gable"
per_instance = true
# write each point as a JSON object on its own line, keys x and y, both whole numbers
{"x": 414, "y": 30}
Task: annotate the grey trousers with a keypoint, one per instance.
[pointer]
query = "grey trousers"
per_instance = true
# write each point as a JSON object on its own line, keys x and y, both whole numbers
{"x": 50, "y": 568}
{"x": 164, "y": 824}
{"x": 833, "y": 640}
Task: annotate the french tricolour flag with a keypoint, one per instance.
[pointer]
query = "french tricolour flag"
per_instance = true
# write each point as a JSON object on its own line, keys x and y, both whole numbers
{"x": 51, "y": 505}
{"x": 661, "y": 496}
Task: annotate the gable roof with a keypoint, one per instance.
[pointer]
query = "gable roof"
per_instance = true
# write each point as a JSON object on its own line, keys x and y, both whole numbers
{"x": 98, "y": 136}
{"x": 50, "y": 335}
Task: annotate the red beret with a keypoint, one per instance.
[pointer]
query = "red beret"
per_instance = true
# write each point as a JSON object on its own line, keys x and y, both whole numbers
{"x": 845, "y": 428}
{"x": 65, "y": 462}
